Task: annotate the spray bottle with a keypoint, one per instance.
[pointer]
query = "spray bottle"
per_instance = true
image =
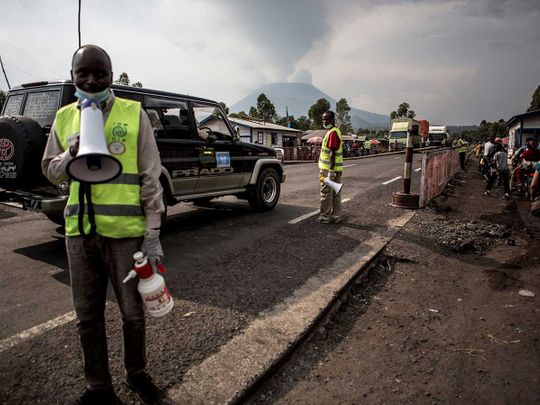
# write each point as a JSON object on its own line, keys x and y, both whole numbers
{"x": 152, "y": 288}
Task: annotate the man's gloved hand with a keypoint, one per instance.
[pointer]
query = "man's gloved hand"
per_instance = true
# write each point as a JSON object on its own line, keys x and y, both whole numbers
{"x": 322, "y": 175}
{"x": 331, "y": 175}
{"x": 151, "y": 246}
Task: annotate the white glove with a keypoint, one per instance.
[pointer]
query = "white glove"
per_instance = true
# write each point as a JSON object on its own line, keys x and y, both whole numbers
{"x": 151, "y": 246}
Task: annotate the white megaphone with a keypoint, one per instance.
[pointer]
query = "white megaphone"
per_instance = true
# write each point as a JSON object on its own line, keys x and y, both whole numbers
{"x": 333, "y": 185}
{"x": 93, "y": 163}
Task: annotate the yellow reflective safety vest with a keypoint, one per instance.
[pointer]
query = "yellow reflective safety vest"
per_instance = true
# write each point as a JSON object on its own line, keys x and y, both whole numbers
{"x": 324, "y": 158}
{"x": 462, "y": 145}
{"x": 116, "y": 204}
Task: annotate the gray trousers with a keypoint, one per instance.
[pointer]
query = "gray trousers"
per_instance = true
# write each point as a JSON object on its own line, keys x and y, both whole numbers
{"x": 92, "y": 262}
{"x": 330, "y": 201}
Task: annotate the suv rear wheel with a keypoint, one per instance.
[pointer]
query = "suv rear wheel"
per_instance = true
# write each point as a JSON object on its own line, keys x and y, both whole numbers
{"x": 21, "y": 149}
{"x": 265, "y": 193}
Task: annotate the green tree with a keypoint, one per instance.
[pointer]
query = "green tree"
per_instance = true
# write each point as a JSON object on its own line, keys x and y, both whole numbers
{"x": 316, "y": 111}
{"x": 535, "y": 101}
{"x": 224, "y": 106}
{"x": 253, "y": 112}
{"x": 343, "y": 118}
{"x": 123, "y": 79}
{"x": 403, "y": 109}
{"x": 3, "y": 96}
{"x": 303, "y": 123}
{"x": 241, "y": 114}
{"x": 266, "y": 109}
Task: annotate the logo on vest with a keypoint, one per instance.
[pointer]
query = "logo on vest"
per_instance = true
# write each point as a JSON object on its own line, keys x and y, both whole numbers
{"x": 117, "y": 148}
{"x": 119, "y": 130}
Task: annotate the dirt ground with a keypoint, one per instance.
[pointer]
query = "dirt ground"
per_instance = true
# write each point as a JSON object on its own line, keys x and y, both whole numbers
{"x": 437, "y": 319}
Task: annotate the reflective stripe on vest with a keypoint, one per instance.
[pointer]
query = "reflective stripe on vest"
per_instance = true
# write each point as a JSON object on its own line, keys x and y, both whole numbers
{"x": 324, "y": 157}
{"x": 117, "y": 203}
{"x": 462, "y": 146}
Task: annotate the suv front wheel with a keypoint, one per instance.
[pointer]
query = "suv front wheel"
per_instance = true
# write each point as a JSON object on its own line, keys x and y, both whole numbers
{"x": 265, "y": 193}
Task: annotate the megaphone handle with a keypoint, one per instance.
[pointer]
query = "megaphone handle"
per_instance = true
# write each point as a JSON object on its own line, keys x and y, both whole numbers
{"x": 85, "y": 190}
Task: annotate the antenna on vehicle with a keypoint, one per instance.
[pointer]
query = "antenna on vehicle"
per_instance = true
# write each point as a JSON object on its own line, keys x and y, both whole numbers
{"x": 5, "y": 75}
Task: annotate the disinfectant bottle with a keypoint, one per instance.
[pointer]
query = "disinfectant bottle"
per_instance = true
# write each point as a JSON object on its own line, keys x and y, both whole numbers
{"x": 152, "y": 288}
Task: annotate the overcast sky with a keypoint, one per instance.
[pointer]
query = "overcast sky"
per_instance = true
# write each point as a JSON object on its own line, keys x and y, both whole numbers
{"x": 455, "y": 62}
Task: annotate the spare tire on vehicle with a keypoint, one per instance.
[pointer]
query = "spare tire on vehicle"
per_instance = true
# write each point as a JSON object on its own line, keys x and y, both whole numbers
{"x": 21, "y": 149}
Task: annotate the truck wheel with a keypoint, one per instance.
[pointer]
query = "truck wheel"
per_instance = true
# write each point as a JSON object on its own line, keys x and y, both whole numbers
{"x": 21, "y": 150}
{"x": 265, "y": 194}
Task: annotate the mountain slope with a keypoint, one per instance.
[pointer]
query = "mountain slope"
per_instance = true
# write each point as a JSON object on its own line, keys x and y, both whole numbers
{"x": 298, "y": 97}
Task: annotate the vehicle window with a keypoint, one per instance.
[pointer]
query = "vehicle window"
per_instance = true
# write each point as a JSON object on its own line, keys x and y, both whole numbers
{"x": 129, "y": 96}
{"x": 211, "y": 117}
{"x": 169, "y": 118}
{"x": 42, "y": 106}
{"x": 13, "y": 105}
{"x": 398, "y": 135}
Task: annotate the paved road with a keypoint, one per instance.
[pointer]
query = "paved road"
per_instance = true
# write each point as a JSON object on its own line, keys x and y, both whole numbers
{"x": 226, "y": 265}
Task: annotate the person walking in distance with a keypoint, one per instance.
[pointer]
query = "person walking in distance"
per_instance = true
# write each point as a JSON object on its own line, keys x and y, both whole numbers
{"x": 331, "y": 167}
{"x": 462, "y": 150}
{"x": 125, "y": 218}
{"x": 499, "y": 169}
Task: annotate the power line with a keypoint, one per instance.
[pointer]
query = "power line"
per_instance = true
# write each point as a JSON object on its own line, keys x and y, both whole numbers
{"x": 5, "y": 75}
{"x": 79, "y": 23}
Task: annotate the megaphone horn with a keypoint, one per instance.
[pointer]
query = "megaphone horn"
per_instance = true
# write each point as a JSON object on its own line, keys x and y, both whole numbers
{"x": 335, "y": 186}
{"x": 93, "y": 163}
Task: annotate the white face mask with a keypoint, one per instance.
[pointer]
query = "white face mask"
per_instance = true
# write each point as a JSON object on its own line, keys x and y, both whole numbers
{"x": 328, "y": 126}
{"x": 100, "y": 97}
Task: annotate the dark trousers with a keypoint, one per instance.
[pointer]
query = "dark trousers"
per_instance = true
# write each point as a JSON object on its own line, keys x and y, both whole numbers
{"x": 462, "y": 156}
{"x": 505, "y": 176}
{"x": 92, "y": 262}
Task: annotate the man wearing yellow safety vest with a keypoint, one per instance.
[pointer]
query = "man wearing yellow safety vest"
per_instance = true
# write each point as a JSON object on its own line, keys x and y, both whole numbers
{"x": 123, "y": 216}
{"x": 331, "y": 167}
{"x": 367, "y": 147}
{"x": 462, "y": 149}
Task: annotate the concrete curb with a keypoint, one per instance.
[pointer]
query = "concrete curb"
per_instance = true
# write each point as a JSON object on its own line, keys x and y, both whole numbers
{"x": 227, "y": 376}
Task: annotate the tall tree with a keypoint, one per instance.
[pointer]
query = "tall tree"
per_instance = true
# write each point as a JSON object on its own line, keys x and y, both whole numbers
{"x": 123, "y": 79}
{"x": 535, "y": 102}
{"x": 343, "y": 118}
{"x": 303, "y": 123}
{"x": 253, "y": 112}
{"x": 266, "y": 109}
{"x": 224, "y": 106}
{"x": 316, "y": 111}
{"x": 403, "y": 109}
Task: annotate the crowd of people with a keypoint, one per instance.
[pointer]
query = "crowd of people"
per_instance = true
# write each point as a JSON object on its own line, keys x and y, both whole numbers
{"x": 520, "y": 173}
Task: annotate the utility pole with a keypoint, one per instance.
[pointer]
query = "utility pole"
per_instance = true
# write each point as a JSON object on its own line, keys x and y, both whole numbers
{"x": 5, "y": 75}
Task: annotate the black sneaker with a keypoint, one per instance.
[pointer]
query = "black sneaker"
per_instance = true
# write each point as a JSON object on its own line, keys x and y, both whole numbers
{"x": 142, "y": 384}
{"x": 98, "y": 397}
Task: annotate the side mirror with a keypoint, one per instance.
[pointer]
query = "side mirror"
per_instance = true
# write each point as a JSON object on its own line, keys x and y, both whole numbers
{"x": 236, "y": 135}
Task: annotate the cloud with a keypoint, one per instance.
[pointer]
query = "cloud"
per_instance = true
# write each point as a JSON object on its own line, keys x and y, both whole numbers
{"x": 301, "y": 76}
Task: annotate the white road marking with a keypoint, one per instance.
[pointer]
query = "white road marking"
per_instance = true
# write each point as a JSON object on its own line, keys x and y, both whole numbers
{"x": 417, "y": 170}
{"x": 354, "y": 164}
{"x": 310, "y": 214}
{"x": 37, "y": 330}
{"x": 399, "y": 157}
{"x": 390, "y": 181}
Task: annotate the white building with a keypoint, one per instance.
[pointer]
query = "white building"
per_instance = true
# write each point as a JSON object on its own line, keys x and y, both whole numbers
{"x": 266, "y": 133}
{"x": 522, "y": 126}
